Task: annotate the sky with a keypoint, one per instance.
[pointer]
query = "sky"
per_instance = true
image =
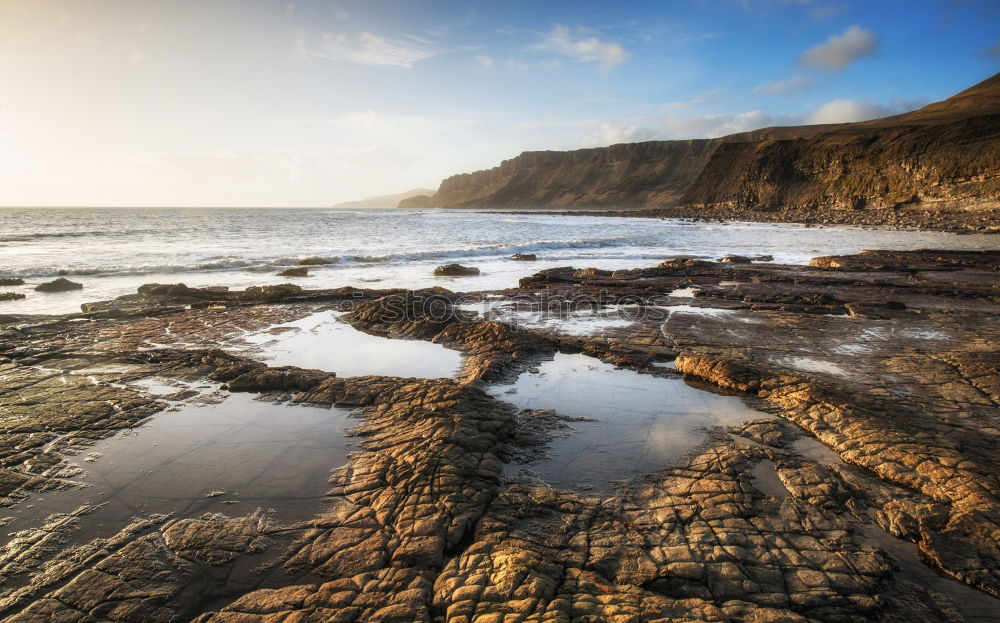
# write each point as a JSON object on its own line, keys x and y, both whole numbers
{"x": 309, "y": 103}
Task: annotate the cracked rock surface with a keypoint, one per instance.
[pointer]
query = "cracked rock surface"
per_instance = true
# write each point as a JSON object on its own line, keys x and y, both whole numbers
{"x": 874, "y": 494}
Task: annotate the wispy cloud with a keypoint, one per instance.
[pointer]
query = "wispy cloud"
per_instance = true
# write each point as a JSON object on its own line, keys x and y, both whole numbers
{"x": 443, "y": 29}
{"x": 373, "y": 124}
{"x": 601, "y": 132}
{"x": 840, "y": 51}
{"x": 483, "y": 61}
{"x": 848, "y": 111}
{"x": 522, "y": 65}
{"x": 682, "y": 127}
{"x": 795, "y": 84}
{"x": 254, "y": 177}
{"x": 583, "y": 49}
{"x": 371, "y": 49}
{"x": 705, "y": 98}
{"x": 824, "y": 11}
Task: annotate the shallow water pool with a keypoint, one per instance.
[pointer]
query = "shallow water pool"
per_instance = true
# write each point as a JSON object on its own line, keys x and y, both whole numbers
{"x": 231, "y": 454}
{"x": 641, "y": 422}
{"x": 324, "y": 342}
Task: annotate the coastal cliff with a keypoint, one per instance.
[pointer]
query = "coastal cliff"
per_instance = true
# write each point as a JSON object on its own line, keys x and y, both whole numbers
{"x": 941, "y": 158}
{"x": 629, "y": 175}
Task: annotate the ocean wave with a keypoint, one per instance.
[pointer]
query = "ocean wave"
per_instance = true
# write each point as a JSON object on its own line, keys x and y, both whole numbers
{"x": 134, "y": 269}
{"x": 502, "y": 249}
{"x": 25, "y": 237}
{"x": 264, "y": 263}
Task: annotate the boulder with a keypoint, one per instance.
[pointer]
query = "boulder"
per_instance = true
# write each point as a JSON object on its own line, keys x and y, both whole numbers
{"x": 294, "y": 272}
{"x": 11, "y": 281}
{"x": 59, "y": 285}
{"x": 524, "y": 257}
{"x": 736, "y": 259}
{"x": 10, "y": 296}
{"x": 455, "y": 270}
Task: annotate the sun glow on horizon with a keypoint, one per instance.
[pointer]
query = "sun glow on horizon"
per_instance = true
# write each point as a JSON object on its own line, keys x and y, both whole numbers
{"x": 309, "y": 103}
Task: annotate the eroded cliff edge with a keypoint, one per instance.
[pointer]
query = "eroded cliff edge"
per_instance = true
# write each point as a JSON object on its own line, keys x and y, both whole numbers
{"x": 941, "y": 158}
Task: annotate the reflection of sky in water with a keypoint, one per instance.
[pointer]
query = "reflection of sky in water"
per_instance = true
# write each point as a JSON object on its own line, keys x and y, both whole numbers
{"x": 644, "y": 421}
{"x": 577, "y": 323}
{"x": 259, "y": 454}
{"x": 323, "y": 342}
{"x": 683, "y": 292}
{"x": 810, "y": 364}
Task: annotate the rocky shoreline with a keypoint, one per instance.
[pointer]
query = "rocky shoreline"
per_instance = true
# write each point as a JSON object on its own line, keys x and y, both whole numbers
{"x": 958, "y": 221}
{"x": 869, "y": 488}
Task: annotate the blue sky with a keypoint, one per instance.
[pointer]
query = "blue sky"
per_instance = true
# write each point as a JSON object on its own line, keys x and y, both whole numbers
{"x": 306, "y": 103}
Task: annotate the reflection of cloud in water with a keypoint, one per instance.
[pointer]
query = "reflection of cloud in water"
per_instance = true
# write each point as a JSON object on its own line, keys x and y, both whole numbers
{"x": 644, "y": 421}
{"x": 323, "y": 342}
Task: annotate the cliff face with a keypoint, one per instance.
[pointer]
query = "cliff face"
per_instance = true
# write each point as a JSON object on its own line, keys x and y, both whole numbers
{"x": 953, "y": 165}
{"x": 943, "y": 156}
{"x": 627, "y": 176}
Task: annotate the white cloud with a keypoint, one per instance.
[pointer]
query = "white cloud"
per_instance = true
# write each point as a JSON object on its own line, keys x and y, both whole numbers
{"x": 841, "y": 50}
{"x": 611, "y": 133}
{"x": 847, "y": 111}
{"x": 483, "y": 60}
{"x": 601, "y": 132}
{"x": 586, "y": 50}
{"x": 372, "y": 49}
{"x": 795, "y": 84}
{"x": 673, "y": 127}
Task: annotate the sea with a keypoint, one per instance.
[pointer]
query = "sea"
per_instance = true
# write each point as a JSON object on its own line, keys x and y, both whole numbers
{"x": 112, "y": 251}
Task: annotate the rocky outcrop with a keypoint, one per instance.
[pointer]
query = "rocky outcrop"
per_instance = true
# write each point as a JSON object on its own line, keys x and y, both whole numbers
{"x": 455, "y": 270}
{"x": 58, "y": 285}
{"x": 942, "y": 158}
{"x": 383, "y": 201}
{"x": 874, "y": 466}
{"x": 910, "y": 166}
